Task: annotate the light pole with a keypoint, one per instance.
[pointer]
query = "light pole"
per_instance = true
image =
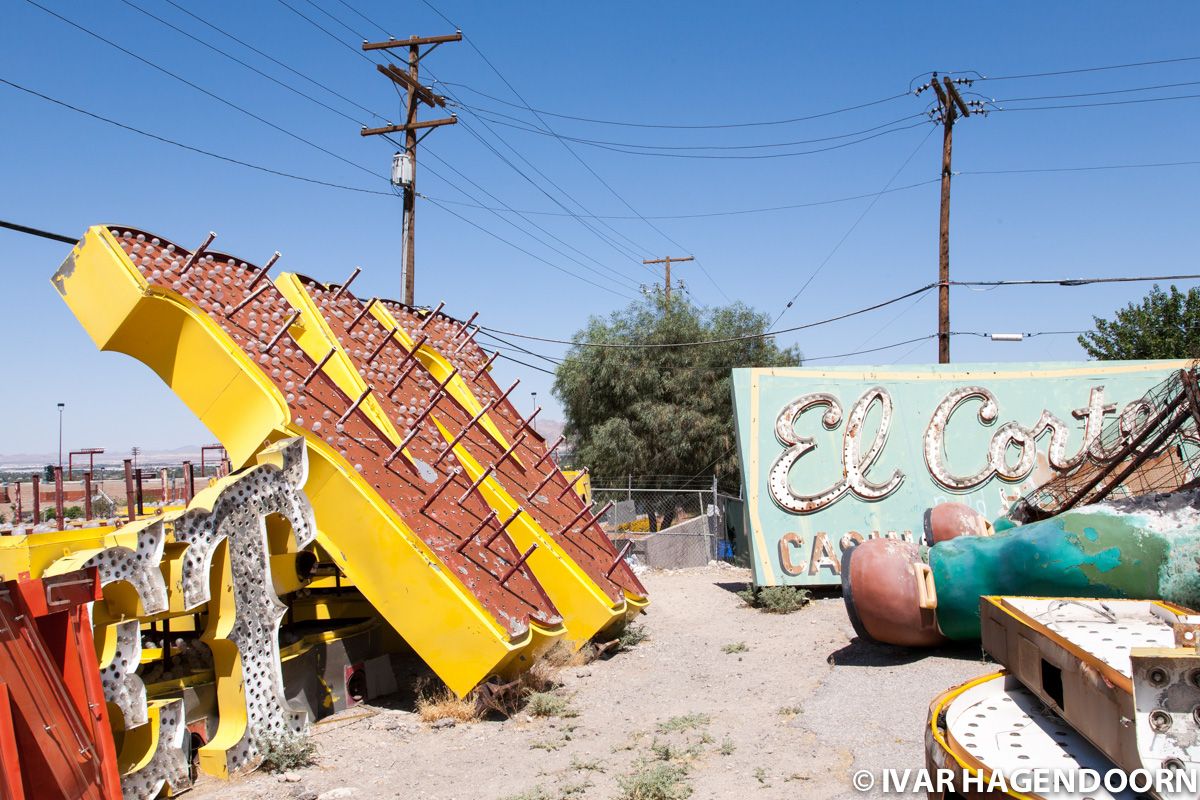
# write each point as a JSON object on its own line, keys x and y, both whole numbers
{"x": 60, "y": 417}
{"x": 534, "y": 396}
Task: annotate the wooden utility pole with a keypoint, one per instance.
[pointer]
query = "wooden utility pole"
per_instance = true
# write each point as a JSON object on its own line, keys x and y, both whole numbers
{"x": 668, "y": 261}
{"x": 950, "y": 104}
{"x": 415, "y": 93}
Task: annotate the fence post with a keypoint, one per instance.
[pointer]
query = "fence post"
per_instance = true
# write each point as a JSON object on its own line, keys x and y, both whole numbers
{"x": 628, "y": 487}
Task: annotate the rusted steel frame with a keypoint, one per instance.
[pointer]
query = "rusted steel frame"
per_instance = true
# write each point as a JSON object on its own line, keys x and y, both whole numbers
{"x": 354, "y": 406}
{"x": 58, "y": 497}
{"x": 36, "y": 480}
{"x": 429, "y": 317}
{"x": 197, "y": 253}
{"x": 512, "y": 448}
{"x": 87, "y": 495}
{"x": 545, "y": 479}
{"x": 130, "y": 507}
{"x": 528, "y": 421}
{"x": 189, "y": 482}
{"x": 464, "y": 326}
{"x": 1181, "y": 414}
{"x": 578, "y": 516}
{"x": 288, "y": 323}
{"x": 1189, "y": 389}
{"x": 379, "y": 347}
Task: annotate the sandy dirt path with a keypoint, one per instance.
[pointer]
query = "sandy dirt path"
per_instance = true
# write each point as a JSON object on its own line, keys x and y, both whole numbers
{"x": 792, "y": 715}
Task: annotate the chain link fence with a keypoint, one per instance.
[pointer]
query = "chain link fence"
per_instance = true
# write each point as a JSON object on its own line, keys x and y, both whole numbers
{"x": 673, "y": 523}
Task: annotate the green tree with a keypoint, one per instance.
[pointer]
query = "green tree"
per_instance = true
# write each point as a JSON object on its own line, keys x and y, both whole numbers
{"x": 1162, "y": 325}
{"x": 661, "y": 410}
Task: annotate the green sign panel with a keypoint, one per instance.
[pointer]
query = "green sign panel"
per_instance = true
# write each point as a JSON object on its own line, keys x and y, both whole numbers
{"x": 831, "y": 457}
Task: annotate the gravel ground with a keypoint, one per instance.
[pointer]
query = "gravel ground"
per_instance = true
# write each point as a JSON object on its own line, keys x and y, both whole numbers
{"x": 797, "y": 706}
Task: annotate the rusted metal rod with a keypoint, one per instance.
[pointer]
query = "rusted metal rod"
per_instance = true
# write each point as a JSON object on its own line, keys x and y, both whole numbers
{"x": 527, "y": 422}
{"x": 365, "y": 310}
{"x": 576, "y": 518}
{"x": 517, "y": 564}
{"x": 197, "y": 253}
{"x": 247, "y": 300}
{"x": 437, "y": 491}
{"x": 512, "y": 448}
{"x": 482, "y": 524}
{"x": 466, "y": 341}
{"x": 425, "y": 413}
{"x": 479, "y": 372}
{"x": 441, "y": 387}
{"x": 262, "y": 273}
{"x": 574, "y": 481}
{"x": 477, "y": 483}
{"x": 549, "y": 450}
{"x": 429, "y": 317}
{"x": 464, "y": 326}
{"x": 131, "y": 510}
{"x": 87, "y": 495}
{"x": 317, "y": 368}
{"x": 354, "y": 407}
{"x": 417, "y": 345}
{"x": 596, "y": 517}
{"x": 346, "y": 284}
{"x": 400, "y": 379}
{"x": 36, "y": 480}
{"x": 545, "y": 479}
{"x": 466, "y": 429}
{"x": 379, "y": 347}
{"x": 282, "y": 330}
{"x": 620, "y": 557}
{"x": 400, "y": 447}
{"x": 503, "y": 526}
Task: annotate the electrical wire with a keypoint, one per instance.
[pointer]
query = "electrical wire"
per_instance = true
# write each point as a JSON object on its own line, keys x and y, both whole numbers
{"x": 530, "y": 129}
{"x": 515, "y": 246}
{"x": 1096, "y": 94}
{"x": 1088, "y": 69}
{"x": 201, "y": 151}
{"x": 1078, "y": 169}
{"x": 202, "y": 90}
{"x": 735, "y": 212}
{"x": 470, "y": 41}
{"x": 850, "y": 230}
{"x": 727, "y": 340}
{"x": 237, "y": 60}
{"x": 274, "y": 60}
{"x": 713, "y": 156}
{"x": 712, "y": 126}
{"x": 1100, "y": 105}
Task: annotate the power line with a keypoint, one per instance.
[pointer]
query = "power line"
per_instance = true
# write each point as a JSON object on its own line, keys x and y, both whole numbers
{"x": 237, "y": 60}
{"x": 1078, "y": 169}
{"x": 850, "y": 230}
{"x": 274, "y": 60}
{"x": 1099, "y": 105}
{"x": 551, "y": 264}
{"x": 470, "y": 41}
{"x": 731, "y": 213}
{"x": 189, "y": 147}
{"x": 1088, "y": 69}
{"x": 201, "y": 89}
{"x": 54, "y": 237}
{"x": 531, "y": 129}
{"x": 712, "y": 126}
{"x": 1097, "y": 94}
{"x": 712, "y": 156}
{"x": 727, "y": 340}
{"x": 1075, "y": 281}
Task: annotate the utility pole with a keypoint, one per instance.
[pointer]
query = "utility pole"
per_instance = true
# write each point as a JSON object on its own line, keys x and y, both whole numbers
{"x": 667, "y": 262}
{"x": 404, "y": 167}
{"x": 949, "y": 105}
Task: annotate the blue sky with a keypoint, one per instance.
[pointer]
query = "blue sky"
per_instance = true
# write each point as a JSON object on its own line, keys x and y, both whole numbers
{"x": 650, "y": 63}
